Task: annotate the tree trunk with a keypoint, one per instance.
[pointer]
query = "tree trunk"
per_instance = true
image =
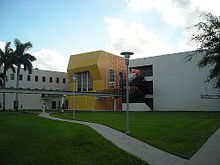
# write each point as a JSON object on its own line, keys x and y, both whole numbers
{"x": 17, "y": 86}
{"x": 4, "y": 82}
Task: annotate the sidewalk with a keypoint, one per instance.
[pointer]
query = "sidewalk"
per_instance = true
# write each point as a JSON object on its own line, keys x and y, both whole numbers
{"x": 209, "y": 153}
{"x": 133, "y": 146}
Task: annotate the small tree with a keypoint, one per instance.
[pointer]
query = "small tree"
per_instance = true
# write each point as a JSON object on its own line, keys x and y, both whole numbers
{"x": 207, "y": 37}
{"x": 7, "y": 62}
{"x": 22, "y": 58}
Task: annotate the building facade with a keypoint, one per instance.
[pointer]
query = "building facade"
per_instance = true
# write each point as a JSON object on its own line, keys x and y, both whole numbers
{"x": 163, "y": 83}
{"x": 97, "y": 71}
{"x": 173, "y": 84}
{"x": 39, "y": 79}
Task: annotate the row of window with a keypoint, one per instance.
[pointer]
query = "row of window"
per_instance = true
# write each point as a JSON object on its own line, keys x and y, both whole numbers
{"x": 36, "y": 78}
{"x": 112, "y": 78}
{"x": 84, "y": 81}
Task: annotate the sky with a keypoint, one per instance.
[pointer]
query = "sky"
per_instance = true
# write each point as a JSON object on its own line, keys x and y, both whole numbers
{"x": 60, "y": 28}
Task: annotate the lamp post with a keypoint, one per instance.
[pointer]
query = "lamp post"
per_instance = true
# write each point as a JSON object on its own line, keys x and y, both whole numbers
{"x": 127, "y": 56}
{"x": 74, "y": 80}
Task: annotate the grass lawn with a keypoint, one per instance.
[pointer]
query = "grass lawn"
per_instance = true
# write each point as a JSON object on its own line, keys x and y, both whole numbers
{"x": 180, "y": 133}
{"x": 26, "y": 139}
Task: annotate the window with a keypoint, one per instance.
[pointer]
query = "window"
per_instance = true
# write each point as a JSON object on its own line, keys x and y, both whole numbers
{"x": 146, "y": 70}
{"x": 111, "y": 78}
{"x": 120, "y": 78}
{"x": 43, "y": 79}
{"x": 12, "y": 76}
{"x": 57, "y": 79}
{"x": 84, "y": 76}
{"x": 148, "y": 87}
{"x": 36, "y": 78}
{"x": 84, "y": 81}
{"x": 64, "y": 80}
{"x": 51, "y": 79}
{"x": 90, "y": 82}
{"x": 28, "y": 77}
{"x": 21, "y": 77}
{"x": 79, "y": 81}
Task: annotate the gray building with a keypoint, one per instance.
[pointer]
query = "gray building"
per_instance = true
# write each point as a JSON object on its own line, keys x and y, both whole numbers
{"x": 172, "y": 84}
{"x": 39, "y": 79}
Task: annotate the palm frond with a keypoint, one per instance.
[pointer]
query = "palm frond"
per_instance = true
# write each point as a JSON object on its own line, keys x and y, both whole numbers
{"x": 29, "y": 57}
{"x": 22, "y": 57}
{"x": 28, "y": 67}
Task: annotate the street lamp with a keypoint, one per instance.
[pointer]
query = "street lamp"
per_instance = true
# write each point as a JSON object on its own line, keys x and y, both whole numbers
{"x": 127, "y": 56}
{"x": 74, "y": 81}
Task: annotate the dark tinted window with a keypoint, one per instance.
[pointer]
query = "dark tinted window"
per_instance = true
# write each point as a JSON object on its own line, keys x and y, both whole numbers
{"x": 43, "y": 79}
{"x": 145, "y": 70}
{"x": 28, "y": 77}
{"x": 21, "y": 77}
{"x": 36, "y": 78}
{"x": 120, "y": 79}
{"x": 111, "y": 78}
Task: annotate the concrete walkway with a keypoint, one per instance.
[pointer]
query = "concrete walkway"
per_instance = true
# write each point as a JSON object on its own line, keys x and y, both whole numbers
{"x": 136, "y": 147}
{"x": 209, "y": 153}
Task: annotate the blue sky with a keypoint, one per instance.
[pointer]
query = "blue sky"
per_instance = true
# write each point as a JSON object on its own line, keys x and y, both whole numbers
{"x": 59, "y": 28}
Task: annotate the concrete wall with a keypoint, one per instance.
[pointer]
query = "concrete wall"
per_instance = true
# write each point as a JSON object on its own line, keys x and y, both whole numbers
{"x": 30, "y": 101}
{"x": 136, "y": 107}
{"x": 178, "y": 85}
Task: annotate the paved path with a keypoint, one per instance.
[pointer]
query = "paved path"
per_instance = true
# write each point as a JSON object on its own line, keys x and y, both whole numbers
{"x": 136, "y": 147}
{"x": 209, "y": 153}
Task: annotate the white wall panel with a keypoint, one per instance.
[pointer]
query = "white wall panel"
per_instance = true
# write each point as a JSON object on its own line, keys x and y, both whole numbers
{"x": 178, "y": 85}
{"x": 29, "y": 101}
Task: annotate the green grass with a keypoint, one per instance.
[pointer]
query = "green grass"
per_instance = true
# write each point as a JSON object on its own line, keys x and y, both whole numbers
{"x": 180, "y": 133}
{"x": 26, "y": 139}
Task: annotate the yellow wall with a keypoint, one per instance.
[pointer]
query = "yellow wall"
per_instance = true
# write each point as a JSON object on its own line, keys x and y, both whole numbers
{"x": 98, "y": 63}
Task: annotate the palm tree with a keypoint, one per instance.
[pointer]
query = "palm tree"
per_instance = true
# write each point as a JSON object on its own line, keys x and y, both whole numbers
{"x": 22, "y": 58}
{"x": 7, "y": 62}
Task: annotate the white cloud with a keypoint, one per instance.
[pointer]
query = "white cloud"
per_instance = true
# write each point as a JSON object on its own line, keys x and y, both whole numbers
{"x": 49, "y": 60}
{"x": 187, "y": 44}
{"x": 2, "y": 45}
{"x": 133, "y": 37}
{"x": 177, "y": 12}
{"x": 209, "y": 6}
{"x": 181, "y": 13}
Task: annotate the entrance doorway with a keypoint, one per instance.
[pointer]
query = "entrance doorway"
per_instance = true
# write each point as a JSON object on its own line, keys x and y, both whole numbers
{"x": 54, "y": 105}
